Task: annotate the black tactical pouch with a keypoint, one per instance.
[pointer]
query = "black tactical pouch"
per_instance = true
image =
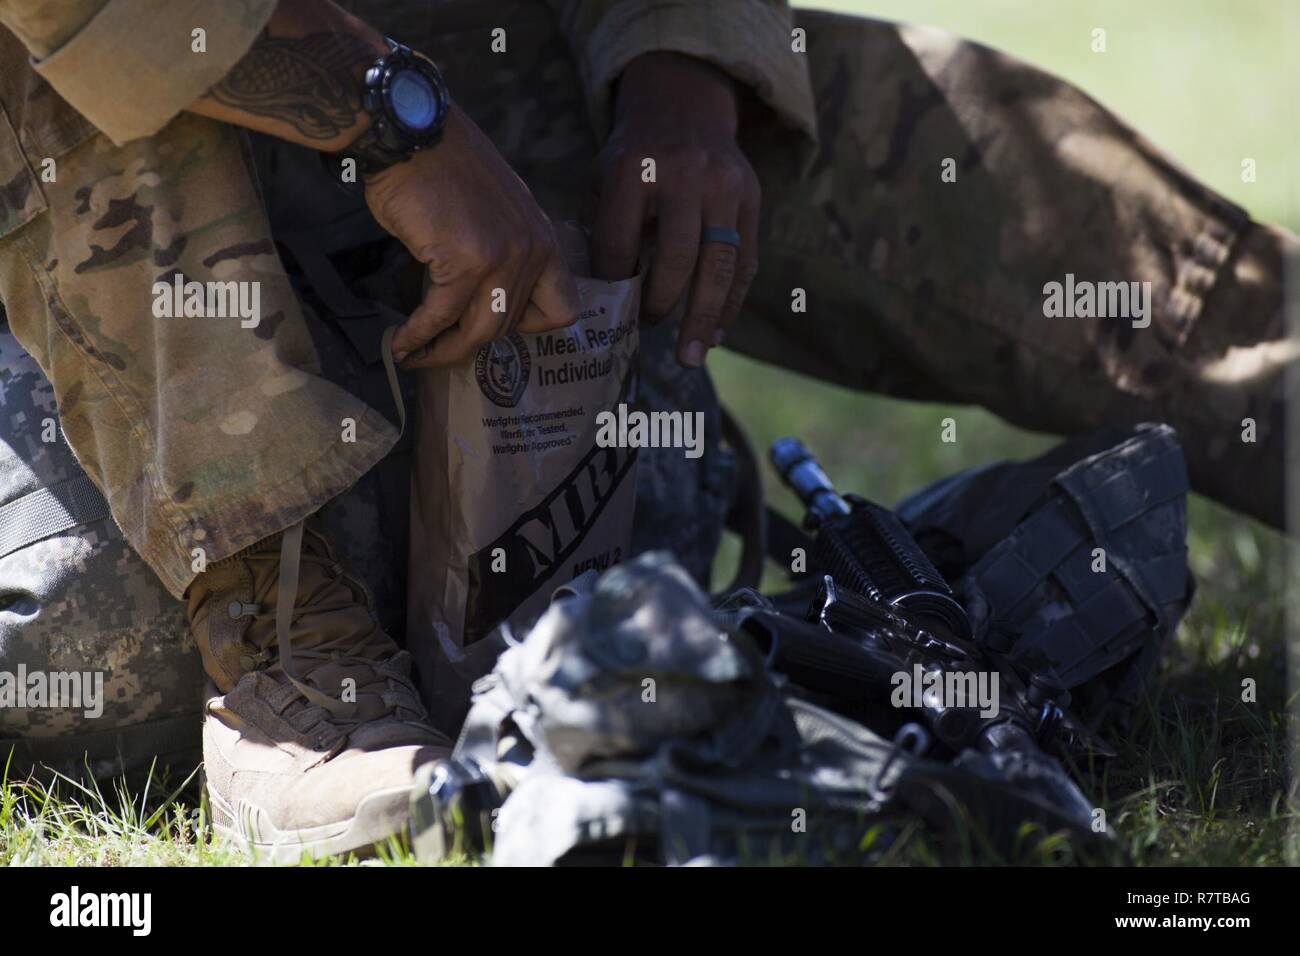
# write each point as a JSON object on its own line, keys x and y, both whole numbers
{"x": 1073, "y": 563}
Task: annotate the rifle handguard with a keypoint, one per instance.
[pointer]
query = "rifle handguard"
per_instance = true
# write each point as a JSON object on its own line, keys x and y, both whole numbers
{"x": 866, "y": 549}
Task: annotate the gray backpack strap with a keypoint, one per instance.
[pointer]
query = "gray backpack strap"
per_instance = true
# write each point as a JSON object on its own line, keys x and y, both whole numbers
{"x": 46, "y": 512}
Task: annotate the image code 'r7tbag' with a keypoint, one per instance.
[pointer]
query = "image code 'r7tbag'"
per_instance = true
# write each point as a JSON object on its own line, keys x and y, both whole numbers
{"x": 512, "y": 496}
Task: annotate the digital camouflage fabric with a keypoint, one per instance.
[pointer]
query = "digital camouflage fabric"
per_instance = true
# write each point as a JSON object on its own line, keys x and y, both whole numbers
{"x": 628, "y": 722}
{"x": 81, "y": 602}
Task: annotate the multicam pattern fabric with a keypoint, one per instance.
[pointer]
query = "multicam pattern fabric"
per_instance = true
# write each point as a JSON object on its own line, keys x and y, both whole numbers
{"x": 204, "y": 434}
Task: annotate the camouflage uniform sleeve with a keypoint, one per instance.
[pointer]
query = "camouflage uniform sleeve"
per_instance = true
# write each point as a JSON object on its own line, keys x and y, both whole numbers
{"x": 129, "y": 66}
{"x": 750, "y": 39}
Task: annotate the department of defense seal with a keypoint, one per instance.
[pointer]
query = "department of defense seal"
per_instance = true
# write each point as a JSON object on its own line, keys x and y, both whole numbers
{"x": 502, "y": 368}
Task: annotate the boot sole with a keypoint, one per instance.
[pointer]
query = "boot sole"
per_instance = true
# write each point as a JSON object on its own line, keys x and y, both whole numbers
{"x": 381, "y": 815}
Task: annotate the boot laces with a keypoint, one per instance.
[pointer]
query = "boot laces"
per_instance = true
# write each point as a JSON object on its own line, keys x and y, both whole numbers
{"x": 362, "y": 648}
{"x": 367, "y": 647}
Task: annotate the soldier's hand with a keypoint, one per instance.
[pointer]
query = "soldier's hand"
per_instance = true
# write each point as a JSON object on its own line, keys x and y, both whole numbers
{"x": 491, "y": 255}
{"x": 682, "y": 114}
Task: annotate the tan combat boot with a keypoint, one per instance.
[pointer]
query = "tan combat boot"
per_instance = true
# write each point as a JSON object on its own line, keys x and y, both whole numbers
{"x": 316, "y": 736}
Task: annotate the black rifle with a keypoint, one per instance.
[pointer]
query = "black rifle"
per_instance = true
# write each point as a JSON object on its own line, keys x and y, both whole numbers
{"x": 882, "y": 610}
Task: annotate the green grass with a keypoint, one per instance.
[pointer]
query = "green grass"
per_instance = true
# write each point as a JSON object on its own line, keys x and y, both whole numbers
{"x": 157, "y": 822}
{"x": 1201, "y": 778}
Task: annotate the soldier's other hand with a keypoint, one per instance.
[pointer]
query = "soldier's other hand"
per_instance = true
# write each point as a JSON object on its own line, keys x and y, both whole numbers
{"x": 491, "y": 255}
{"x": 682, "y": 114}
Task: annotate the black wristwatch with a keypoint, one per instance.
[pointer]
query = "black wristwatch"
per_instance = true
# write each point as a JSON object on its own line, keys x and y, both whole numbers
{"x": 408, "y": 103}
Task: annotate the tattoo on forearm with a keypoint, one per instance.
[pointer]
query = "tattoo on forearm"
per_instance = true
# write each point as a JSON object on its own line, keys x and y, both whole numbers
{"x": 307, "y": 82}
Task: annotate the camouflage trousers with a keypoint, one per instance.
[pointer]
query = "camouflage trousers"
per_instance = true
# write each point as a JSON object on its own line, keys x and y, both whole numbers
{"x": 206, "y": 435}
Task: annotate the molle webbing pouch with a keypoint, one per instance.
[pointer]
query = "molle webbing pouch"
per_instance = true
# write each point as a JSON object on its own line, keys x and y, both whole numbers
{"x": 1072, "y": 565}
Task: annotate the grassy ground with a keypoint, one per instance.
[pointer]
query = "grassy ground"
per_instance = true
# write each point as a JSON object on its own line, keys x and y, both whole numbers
{"x": 1201, "y": 778}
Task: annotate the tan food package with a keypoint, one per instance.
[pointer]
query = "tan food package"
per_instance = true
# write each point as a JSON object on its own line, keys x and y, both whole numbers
{"x": 511, "y": 495}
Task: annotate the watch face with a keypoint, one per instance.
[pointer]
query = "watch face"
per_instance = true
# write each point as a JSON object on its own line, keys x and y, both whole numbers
{"x": 413, "y": 99}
